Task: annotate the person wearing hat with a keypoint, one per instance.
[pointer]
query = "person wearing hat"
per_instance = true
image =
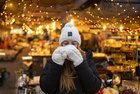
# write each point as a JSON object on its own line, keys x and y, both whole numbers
{"x": 69, "y": 70}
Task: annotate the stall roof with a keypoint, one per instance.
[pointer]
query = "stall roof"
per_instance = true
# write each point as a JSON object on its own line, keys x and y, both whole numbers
{"x": 97, "y": 13}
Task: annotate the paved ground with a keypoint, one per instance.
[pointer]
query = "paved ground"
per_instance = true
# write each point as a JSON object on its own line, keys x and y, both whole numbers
{"x": 9, "y": 86}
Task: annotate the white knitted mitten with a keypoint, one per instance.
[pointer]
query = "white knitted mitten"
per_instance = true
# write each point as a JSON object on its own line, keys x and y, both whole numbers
{"x": 74, "y": 55}
{"x": 59, "y": 56}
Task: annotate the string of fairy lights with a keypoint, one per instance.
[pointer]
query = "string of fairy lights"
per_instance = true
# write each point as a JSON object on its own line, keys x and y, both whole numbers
{"x": 119, "y": 15}
{"x": 25, "y": 13}
{"x": 117, "y": 22}
{"x": 95, "y": 17}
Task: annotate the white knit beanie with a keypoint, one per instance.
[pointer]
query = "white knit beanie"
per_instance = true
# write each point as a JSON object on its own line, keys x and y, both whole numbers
{"x": 69, "y": 32}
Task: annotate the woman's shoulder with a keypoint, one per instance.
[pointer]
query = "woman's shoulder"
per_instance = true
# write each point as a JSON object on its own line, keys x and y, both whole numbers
{"x": 50, "y": 63}
{"x": 49, "y": 60}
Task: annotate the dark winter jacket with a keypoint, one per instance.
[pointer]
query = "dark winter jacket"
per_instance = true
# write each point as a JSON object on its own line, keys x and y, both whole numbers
{"x": 87, "y": 81}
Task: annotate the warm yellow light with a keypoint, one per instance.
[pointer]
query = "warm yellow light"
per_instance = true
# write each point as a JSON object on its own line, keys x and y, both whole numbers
{"x": 72, "y": 21}
{"x": 99, "y": 9}
{"x": 12, "y": 27}
{"x": 10, "y": 4}
{"x": 121, "y": 28}
{"x": 136, "y": 33}
{"x": 30, "y": 31}
{"x": 70, "y": 15}
{"x": 104, "y": 27}
{"x": 96, "y": 4}
{"x": 133, "y": 7}
{"x": 47, "y": 27}
{"x": 5, "y": 7}
{"x": 117, "y": 80}
{"x": 22, "y": 15}
{"x": 19, "y": 3}
{"x": 13, "y": 20}
{"x": 40, "y": 27}
{"x": 129, "y": 37}
{"x": 53, "y": 25}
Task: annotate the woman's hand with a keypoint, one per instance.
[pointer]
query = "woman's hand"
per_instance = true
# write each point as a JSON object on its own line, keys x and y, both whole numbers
{"x": 59, "y": 55}
{"x": 74, "y": 55}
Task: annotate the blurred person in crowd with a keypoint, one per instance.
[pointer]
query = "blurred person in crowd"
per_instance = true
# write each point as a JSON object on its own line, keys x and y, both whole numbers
{"x": 94, "y": 43}
{"x": 84, "y": 44}
{"x": 46, "y": 35}
{"x": 101, "y": 38}
{"x": 3, "y": 45}
{"x": 70, "y": 70}
{"x": 30, "y": 38}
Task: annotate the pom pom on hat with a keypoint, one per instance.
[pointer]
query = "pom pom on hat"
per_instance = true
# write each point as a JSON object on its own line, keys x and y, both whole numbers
{"x": 69, "y": 32}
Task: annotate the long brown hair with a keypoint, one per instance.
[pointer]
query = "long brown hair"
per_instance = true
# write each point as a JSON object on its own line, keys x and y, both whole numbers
{"x": 68, "y": 75}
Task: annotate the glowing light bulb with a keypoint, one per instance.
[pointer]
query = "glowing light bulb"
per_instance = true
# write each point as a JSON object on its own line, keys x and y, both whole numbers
{"x": 121, "y": 28}
{"x": 120, "y": 5}
{"x": 133, "y": 7}
{"x": 72, "y": 21}
{"x": 104, "y": 27}
{"x": 119, "y": 13}
{"x": 40, "y": 27}
{"x": 47, "y": 27}
{"x": 54, "y": 25}
{"x": 99, "y": 9}
{"x": 10, "y": 4}
{"x": 95, "y": 4}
